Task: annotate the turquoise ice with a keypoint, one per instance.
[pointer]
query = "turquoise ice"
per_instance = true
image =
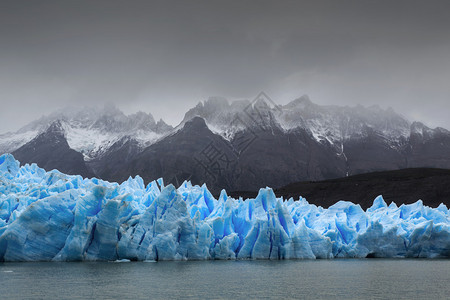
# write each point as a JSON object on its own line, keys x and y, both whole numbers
{"x": 50, "y": 216}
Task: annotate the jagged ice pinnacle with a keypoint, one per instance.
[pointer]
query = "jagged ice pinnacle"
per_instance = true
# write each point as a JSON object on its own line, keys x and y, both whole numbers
{"x": 50, "y": 216}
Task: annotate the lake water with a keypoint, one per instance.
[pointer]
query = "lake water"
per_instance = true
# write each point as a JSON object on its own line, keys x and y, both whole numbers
{"x": 307, "y": 279}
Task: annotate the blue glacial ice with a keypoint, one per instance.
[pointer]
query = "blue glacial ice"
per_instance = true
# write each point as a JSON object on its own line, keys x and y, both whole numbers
{"x": 50, "y": 216}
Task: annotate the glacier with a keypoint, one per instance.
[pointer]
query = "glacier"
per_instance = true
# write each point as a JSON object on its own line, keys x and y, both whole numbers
{"x": 51, "y": 216}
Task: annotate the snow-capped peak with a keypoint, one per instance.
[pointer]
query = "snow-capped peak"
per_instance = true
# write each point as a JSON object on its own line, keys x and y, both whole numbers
{"x": 326, "y": 123}
{"x": 91, "y": 130}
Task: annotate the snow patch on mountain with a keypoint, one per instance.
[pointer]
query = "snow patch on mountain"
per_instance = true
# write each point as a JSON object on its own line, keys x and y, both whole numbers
{"x": 93, "y": 142}
{"x": 328, "y": 124}
{"x": 91, "y": 131}
{"x": 12, "y": 141}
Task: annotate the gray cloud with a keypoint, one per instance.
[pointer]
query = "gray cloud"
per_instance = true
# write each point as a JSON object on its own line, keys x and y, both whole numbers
{"x": 165, "y": 56}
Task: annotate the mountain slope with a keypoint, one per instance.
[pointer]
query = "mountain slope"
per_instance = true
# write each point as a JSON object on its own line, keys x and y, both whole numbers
{"x": 91, "y": 131}
{"x": 196, "y": 153}
{"x": 327, "y": 124}
{"x": 180, "y": 156}
{"x": 50, "y": 150}
{"x": 432, "y": 186}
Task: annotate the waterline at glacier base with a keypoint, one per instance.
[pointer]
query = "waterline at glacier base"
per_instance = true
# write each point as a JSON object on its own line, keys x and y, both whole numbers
{"x": 50, "y": 216}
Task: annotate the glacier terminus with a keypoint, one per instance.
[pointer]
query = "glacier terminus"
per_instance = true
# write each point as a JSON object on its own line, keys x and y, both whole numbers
{"x": 51, "y": 216}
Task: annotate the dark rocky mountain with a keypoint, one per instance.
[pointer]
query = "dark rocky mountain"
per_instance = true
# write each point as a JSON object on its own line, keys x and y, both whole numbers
{"x": 195, "y": 153}
{"x": 276, "y": 157}
{"x": 191, "y": 153}
{"x": 239, "y": 146}
{"x": 91, "y": 131}
{"x": 50, "y": 150}
{"x": 428, "y": 147}
{"x": 115, "y": 160}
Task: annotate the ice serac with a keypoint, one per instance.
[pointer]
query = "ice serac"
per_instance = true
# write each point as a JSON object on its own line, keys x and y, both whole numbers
{"x": 50, "y": 216}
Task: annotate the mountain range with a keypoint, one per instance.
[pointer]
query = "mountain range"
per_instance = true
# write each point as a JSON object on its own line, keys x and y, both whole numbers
{"x": 239, "y": 146}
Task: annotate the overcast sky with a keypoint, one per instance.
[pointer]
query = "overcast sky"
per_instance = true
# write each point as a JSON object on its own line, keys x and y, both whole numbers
{"x": 164, "y": 57}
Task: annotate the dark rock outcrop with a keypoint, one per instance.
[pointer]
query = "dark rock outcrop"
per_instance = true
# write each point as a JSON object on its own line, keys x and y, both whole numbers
{"x": 406, "y": 186}
{"x": 50, "y": 150}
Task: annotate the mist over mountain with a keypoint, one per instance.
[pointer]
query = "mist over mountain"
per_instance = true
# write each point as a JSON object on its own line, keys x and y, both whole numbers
{"x": 90, "y": 130}
{"x": 239, "y": 146}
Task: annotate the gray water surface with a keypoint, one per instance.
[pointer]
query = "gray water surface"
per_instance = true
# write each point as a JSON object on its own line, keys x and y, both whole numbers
{"x": 309, "y": 279}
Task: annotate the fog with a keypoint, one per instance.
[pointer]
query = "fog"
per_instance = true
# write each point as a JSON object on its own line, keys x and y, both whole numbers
{"x": 163, "y": 57}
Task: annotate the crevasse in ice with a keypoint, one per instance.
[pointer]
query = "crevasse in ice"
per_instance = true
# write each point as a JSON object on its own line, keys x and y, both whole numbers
{"x": 50, "y": 216}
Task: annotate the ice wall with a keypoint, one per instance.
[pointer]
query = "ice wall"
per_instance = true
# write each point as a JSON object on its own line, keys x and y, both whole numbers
{"x": 50, "y": 216}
